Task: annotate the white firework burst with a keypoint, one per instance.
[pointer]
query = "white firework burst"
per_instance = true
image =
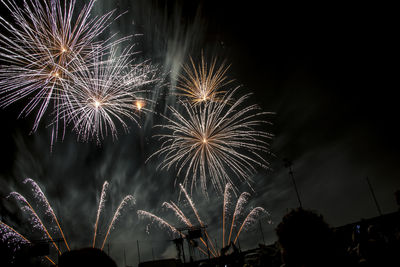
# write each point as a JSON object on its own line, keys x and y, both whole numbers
{"x": 107, "y": 91}
{"x": 40, "y": 44}
{"x": 213, "y": 141}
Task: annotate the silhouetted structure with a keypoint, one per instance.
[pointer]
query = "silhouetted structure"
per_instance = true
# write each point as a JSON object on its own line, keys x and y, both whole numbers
{"x": 193, "y": 232}
{"x": 307, "y": 240}
{"x": 86, "y": 257}
{"x": 162, "y": 263}
{"x": 397, "y": 195}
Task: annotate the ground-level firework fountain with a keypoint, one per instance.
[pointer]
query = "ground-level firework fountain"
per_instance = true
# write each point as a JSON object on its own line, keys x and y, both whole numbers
{"x": 235, "y": 214}
{"x": 45, "y": 226}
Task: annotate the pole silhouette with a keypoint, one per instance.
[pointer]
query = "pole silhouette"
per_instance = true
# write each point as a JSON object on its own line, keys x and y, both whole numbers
{"x": 288, "y": 165}
{"x": 374, "y": 197}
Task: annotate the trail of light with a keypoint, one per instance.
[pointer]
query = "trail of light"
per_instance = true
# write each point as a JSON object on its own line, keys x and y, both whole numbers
{"x": 44, "y": 40}
{"x": 211, "y": 250}
{"x": 211, "y": 142}
{"x": 161, "y": 222}
{"x": 211, "y": 243}
{"x": 237, "y": 214}
{"x": 38, "y": 193}
{"x": 117, "y": 213}
{"x": 101, "y": 206}
{"x": 179, "y": 213}
{"x": 51, "y": 261}
{"x": 203, "y": 83}
{"x": 227, "y": 196}
{"x": 250, "y": 219}
{"x": 204, "y": 252}
{"x": 241, "y": 202}
{"x": 191, "y": 203}
{"x": 15, "y": 233}
{"x": 106, "y": 92}
{"x": 37, "y": 220}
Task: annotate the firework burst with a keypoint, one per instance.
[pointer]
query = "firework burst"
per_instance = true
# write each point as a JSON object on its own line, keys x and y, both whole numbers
{"x": 44, "y": 41}
{"x": 202, "y": 83}
{"x": 109, "y": 89}
{"x": 214, "y": 141}
{"x": 239, "y": 220}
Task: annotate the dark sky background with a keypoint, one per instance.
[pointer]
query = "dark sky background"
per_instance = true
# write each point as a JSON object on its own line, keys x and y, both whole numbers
{"x": 327, "y": 71}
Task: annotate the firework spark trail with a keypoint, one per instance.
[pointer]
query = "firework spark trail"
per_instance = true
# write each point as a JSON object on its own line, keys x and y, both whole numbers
{"x": 37, "y": 222}
{"x": 179, "y": 213}
{"x": 160, "y": 221}
{"x": 100, "y": 208}
{"x": 225, "y": 210}
{"x": 251, "y": 218}
{"x": 191, "y": 203}
{"x": 214, "y": 140}
{"x": 117, "y": 213}
{"x": 43, "y": 42}
{"x": 106, "y": 90}
{"x": 241, "y": 202}
{"x": 10, "y": 235}
{"x": 38, "y": 193}
{"x": 203, "y": 83}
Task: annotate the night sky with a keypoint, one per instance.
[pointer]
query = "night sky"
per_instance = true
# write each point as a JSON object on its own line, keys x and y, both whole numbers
{"x": 327, "y": 71}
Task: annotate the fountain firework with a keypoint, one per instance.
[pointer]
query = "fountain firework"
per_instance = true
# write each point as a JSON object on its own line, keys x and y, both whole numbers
{"x": 235, "y": 222}
{"x": 15, "y": 239}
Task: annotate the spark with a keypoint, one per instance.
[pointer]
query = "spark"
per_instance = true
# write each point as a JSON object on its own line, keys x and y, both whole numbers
{"x": 140, "y": 104}
{"x": 38, "y": 193}
{"x": 42, "y": 42}
{"x": 102, "y": 93}
{"x": 225, "y": 209}
{"x": 251, "y": 218}
{"x": 181, "y": 216}
{"x": 202, "y": 83}
{"x": 8, "y": 232}
{"x": 117, "y": 213}
{"x": 11, "y": 236}
{"x": 100, "y": 208}
{"x": 35, "y": 219}
{"x": 97, "y": 103}
{"x": 239, "y": 212}
{"x": 241, "y": 202}
{"x": 196, "y": 212}
{"x": 161, "y": 222}
{"x": 214, "y": 141}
